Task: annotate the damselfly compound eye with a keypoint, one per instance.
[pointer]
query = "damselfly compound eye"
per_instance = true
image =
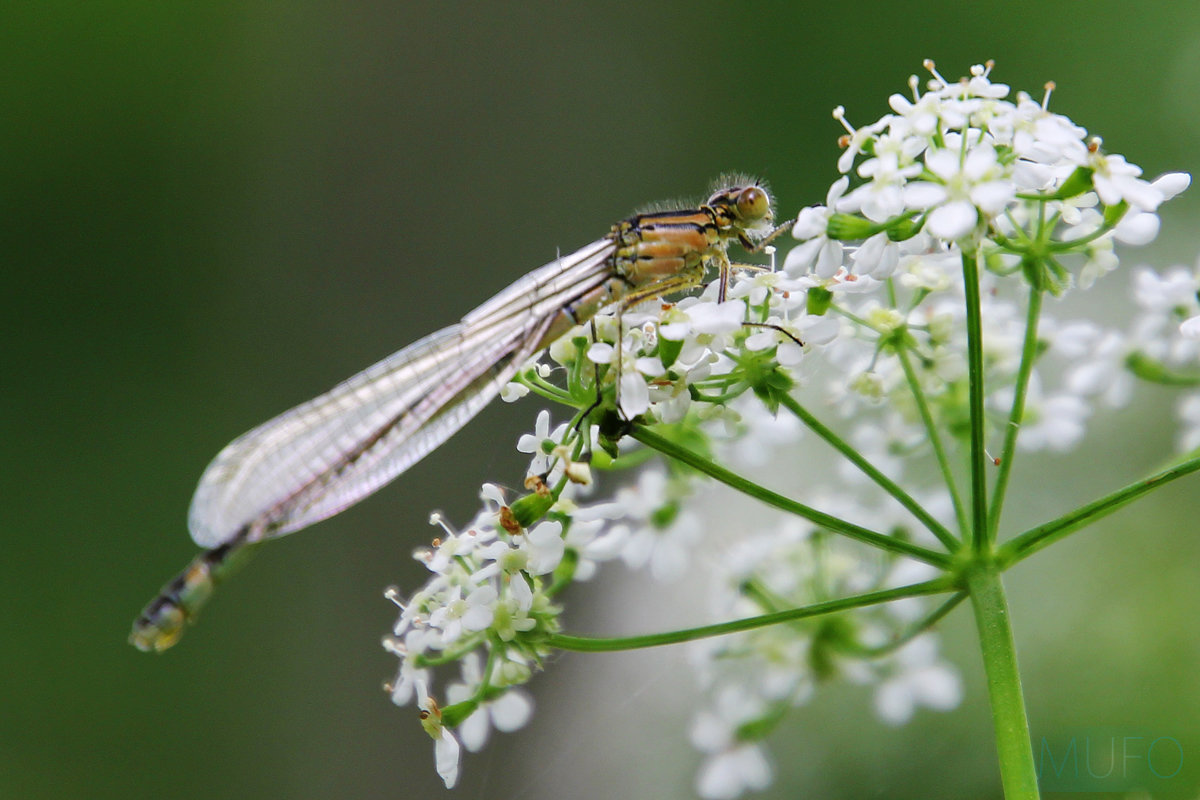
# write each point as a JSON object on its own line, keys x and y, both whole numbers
{"x": 753, "y": 204}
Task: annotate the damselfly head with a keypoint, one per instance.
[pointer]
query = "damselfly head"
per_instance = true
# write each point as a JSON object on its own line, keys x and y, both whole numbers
{"x": 745, "y": 205}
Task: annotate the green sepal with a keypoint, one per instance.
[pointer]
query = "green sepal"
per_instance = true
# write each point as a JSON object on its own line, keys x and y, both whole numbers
{"x": 1046, "y": 274}
{"x": 1154, "y": 371}
{"x": 530, "y": 508}
{"x": 1113, "y": 214}
{"x": 849, "y": 227}
{"x": 828, "y": 641}
{"x": 770, "y": 387}
{"x": 903, "y": 229}
{"x": 758, "y": 728}
{"x": 1077, "y": 183}
{"x": 664, "y": 515}
{"x": 818, "y": 301}
{"x": 669, "y": 350}
{"x": 453, "y": 715}
{"x": 564, "y": 573}
{"x": 612, "y": 428}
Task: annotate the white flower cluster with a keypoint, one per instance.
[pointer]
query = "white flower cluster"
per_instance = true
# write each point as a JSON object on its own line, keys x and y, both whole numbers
{"x": 866, "y": 325}
{"x": 486, "y": 597}
{"x": 970, "y": 167}
{"x": 751, "y": 679}
{"x": 670, "y": 355}
{"x": 961, "y": 171}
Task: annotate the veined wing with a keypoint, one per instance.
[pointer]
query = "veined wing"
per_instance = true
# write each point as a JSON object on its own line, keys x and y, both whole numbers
{"x": 324, "y": 455}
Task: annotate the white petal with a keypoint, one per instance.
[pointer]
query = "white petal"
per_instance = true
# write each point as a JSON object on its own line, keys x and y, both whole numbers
{"x": 1172, "y": 183}
{"x": 943, "y": 163}
{"x": 811, "y": 222}
{"x": 760, "y": 341}
{"x": 513, "y": 392}
{"x": 635, "y": 396}
{"x": 717, "y": 317}
{"x": 993, "y": 196}
{"x": 829, "y": 259}
{"x": 650, "y": 367}
{"x": 478, "y": 618}
{"x": 789, "y": 354}
{"x": 836, "y": 190}
{"x": 729, "y": 774}
{"x": 938, "y": 687}
{"x": 600, "y": 353}
{"x": 894, "y": 702}
{"x": 921, "y": 195}
{"x": 1190, "y": 328}
{"x": 1137, "y": 228}
{"x": 979, "y": 160}
{"x": 952, "y": 221}
{"x": 511, "y": 711}
{"x": 445, "y": 754}
{"x": 675, "y": 331}
{"x": 546, "y": 559}
{"x": 474, "y": 730}
{"x": 520, "y": 591}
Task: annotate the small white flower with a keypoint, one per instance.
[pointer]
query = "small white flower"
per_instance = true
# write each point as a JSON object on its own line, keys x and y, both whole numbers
{"x": 513, "y": 391}
{"x": 819, "y": 253}
{"x": 532, "y": 443}
{"x": 509, "y": 712}
{"x": 1164, "y": 292}
{"x": 856, "y": 139}
{"x": 594, "y": 542}
{"x": 1117, "y": 180}
{"x": 634, "y": 393}
{"x": 731, "y": 773}
{"x": 545, "y": 547}
{"x": 970, "y": 186}
{"x": 920, "y": 679}
{"x": 878, "y": 256}
{"x": 882, "y": 197}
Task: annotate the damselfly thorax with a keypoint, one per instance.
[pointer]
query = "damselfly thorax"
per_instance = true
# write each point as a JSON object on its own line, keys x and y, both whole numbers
{"x": 327, "y": 454}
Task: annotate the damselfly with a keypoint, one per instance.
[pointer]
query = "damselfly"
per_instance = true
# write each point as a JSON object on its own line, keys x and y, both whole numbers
{"x": 319, "y": 458}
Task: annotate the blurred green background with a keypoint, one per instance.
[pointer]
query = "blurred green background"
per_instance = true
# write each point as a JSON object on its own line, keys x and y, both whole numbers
{"x": 212, "y": 211}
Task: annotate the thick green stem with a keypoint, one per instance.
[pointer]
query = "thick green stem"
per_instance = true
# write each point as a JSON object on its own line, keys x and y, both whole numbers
{"x": 979, "y": 530}
{"x": 596, "y": 645}
{"x": 887, "y": 484}
{"x": 1017, "y": 771}
{"x": 752, "y": 489}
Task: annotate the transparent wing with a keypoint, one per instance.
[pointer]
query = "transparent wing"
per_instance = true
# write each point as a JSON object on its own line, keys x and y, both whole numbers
{"x": 324, "y": 455}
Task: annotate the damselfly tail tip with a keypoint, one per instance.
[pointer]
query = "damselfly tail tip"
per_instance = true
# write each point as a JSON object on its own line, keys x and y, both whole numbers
{"x": 159, "y": 627}
{"x": 163, "y": 621}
